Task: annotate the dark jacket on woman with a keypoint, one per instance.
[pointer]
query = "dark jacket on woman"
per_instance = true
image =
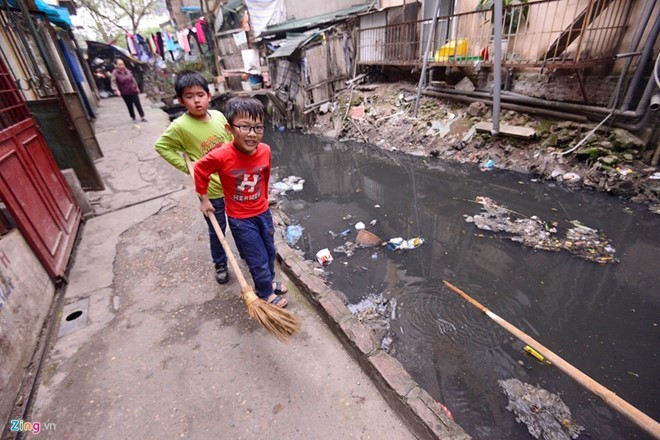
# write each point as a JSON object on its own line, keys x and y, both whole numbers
{"x": 125, "y": 82}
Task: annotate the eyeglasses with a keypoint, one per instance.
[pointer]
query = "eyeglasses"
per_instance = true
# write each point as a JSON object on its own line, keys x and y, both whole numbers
{"x": 246, "y": 129}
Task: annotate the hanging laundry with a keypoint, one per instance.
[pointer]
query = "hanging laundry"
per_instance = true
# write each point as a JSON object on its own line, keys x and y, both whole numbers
{"x": 152, "y": 46}
{"x": 169, "y": 44}
{"x": 159, "y": 43}
{"x": 131, "y": 44}
{"x": 182, "y": 38}
{"x": 142, "y": 45}
{"x": 208, "y": 33}
{"x": 193, "y": 40}
{"x": 144, "y": 52}
{"x": 199, "y": 27}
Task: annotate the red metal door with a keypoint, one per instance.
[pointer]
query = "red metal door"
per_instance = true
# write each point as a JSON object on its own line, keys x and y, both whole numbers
{"x": 31, "y": 185}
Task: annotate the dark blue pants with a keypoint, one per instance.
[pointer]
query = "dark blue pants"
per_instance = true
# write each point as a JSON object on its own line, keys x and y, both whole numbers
{"x": 133, "y": 100}
{"x": 217, "y": 252}
{"x": 254, "y": 239}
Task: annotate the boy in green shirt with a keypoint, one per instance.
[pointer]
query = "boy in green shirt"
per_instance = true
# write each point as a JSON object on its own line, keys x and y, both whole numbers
{"x": 196, "y": 133}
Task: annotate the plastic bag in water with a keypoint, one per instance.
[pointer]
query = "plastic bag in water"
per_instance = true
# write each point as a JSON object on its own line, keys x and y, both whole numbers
{"x": 293, "y": 234}
{"x": 544, "y": 413}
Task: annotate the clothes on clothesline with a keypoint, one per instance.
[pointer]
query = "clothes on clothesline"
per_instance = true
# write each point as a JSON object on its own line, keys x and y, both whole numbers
{"x": 159, "y": 44}
{"x": 199, "y": 27}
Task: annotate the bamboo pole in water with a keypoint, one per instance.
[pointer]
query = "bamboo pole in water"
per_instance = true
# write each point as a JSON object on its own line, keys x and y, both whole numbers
{"x": 633, "y": 414}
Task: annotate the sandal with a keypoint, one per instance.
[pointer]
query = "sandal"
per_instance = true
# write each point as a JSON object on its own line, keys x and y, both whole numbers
{"x": 278, "y": 301}
{"x": 279, "y": 288}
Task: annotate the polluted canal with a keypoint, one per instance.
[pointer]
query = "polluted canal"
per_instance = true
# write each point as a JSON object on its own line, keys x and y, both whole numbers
{"x": 592, "y": 297}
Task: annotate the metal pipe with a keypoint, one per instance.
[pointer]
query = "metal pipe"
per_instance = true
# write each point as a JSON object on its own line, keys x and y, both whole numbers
{"x": 509, "y": 106}
{"x": 655, "y": 102}
{"x": 422, "y": 77}
{"x": 565, "y": 106}
{"x": 646, "y": 16}
{"x": 497, "y": 68}
{"x": 626, "y": 55}
{"x": 647, "y": 55}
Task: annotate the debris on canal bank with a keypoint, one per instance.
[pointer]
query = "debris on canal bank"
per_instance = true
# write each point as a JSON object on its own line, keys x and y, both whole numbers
{"x": 612, "y": 160}
{"x": 376, "y": 312}
{"x": 582, "y": 241}
{"x": 544, "y": 413}
{"x": 291, "y": 183}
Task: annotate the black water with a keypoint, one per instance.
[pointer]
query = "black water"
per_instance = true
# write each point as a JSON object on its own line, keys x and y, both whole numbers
{"x": 603, "y": 319}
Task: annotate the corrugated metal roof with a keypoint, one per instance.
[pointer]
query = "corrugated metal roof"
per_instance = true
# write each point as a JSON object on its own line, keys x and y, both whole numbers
{"x": 305, "y": 23}
{"x": 292, "y": 42}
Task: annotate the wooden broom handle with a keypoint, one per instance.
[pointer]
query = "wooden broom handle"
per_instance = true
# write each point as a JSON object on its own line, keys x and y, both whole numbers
{"x": 245, "y": 287}
{"x": 639, "y": 418}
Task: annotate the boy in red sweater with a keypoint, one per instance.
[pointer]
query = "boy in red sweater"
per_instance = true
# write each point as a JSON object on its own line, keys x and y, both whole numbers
{"x": 244, "y": 169}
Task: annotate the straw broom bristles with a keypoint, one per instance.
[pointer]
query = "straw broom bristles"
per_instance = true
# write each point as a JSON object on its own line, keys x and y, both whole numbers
{"x": 277, "y": 321}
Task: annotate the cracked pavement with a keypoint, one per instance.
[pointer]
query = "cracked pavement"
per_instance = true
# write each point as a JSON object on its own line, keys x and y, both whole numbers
{"x": 166, "y": 352}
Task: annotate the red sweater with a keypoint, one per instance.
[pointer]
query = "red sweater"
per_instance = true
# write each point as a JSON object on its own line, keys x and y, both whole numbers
{"x": 244, "y": 178}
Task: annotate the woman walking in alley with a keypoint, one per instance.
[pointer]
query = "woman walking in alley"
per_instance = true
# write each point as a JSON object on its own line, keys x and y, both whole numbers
{"x": 125, "y": 86}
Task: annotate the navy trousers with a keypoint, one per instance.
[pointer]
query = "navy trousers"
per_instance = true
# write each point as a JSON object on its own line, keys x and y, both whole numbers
{"x": 217, "y": 251}
{"x": 255, "y": 242}
{"x": 133, "y": 100}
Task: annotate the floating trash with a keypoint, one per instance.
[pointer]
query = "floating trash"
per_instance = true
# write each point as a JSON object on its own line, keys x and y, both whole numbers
{"x": 293, "y": 234}
{"x": 487, "y": 165}
{"x": 323, "y": 256}
{"x": 399, "y": 244}
{"x": 368, "y": 239}
{"x": 287, "y": 184}
{"x": 347, "y": 248}
{"x": 544, "y": 413}
{"x": 580, "y": 240}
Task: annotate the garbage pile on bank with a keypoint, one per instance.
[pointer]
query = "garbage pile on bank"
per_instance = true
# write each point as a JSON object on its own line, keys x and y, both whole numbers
{"x": 291, "y": 183}
{"x": 612, "y": 160}
{"x": 580, "y": 240}
{"x": 376, "y": 312}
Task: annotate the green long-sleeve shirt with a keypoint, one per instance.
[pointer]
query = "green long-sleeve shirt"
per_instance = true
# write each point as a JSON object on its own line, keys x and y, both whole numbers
{"x": 189, "y": 135}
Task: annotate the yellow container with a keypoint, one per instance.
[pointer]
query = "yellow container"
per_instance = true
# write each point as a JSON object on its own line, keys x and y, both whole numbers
{"x": 455, "y": 48}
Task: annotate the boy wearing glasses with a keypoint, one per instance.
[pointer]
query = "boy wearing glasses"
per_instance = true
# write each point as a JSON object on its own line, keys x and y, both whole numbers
{"x": 244, "y": 169}
{"x": 196, "y": 133}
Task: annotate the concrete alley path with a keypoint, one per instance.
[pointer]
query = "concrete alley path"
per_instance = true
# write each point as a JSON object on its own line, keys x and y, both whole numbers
{"x": 164, "y": 351}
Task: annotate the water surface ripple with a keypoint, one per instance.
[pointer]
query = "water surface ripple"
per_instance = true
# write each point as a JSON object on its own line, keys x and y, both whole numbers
{"x": 603, "y": 319}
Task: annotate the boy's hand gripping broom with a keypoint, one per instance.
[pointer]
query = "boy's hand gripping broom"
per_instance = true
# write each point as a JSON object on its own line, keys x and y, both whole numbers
{"x": 279, "y": 322}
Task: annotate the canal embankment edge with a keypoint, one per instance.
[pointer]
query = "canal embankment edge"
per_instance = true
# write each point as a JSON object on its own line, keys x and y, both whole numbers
{"x": 425, "y": 417}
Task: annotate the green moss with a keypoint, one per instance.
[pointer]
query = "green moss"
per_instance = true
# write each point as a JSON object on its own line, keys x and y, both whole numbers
{"x": 544, "y": 127}
{"x": 591, "y": 153}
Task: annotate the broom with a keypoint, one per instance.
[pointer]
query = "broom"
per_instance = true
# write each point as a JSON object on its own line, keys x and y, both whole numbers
{"x": 277, "y": 321}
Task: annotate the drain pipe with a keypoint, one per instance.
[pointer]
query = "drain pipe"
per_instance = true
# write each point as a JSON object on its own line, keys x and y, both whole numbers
{"x": 497, "y": 68}
{"x": 655, "y": 102}
{"x": 429, "y": 43}
{"x": 646, "y": 16}
{"x": 588, "y": 110}
{"x": 509, "y": 106}
{"x": 647, "y": 54}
